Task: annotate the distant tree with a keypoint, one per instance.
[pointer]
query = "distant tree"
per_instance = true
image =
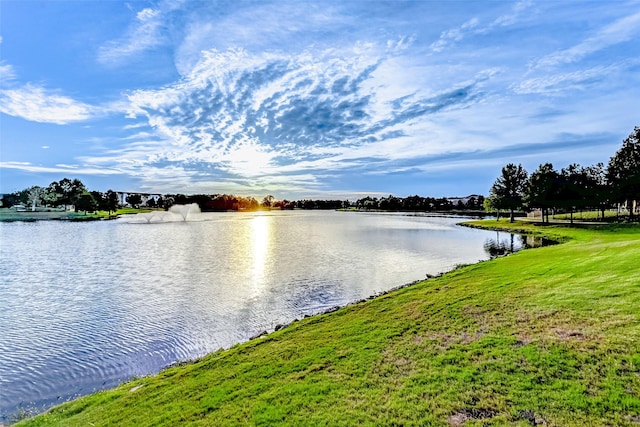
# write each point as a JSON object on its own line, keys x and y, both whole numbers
{"x": 508, "y": 189}
{"x": 34, "y": 196}
{"x": 268, "y": 201}
{"x": 112, "y": 201}
{"x": 180, "y": 199}
{"x": 367, "y": 203}
{"x": 597, "y": 192}
{"x": 623, "y": 172}
{"x": 86, "y": 202}
{"x": 413, "y": 203}
{"x": 134, "y": 200}
{"x": 472, "y": 203}
{"x": 284, "y": 204}
{"x": 248, "y": 203}
{"x": 582, "y": 188}
{"x": 160, "y": 202}
{"x": 570, "y": 189}
{"x": 100, "y": 199}
{"x": 541, "y": 189}
{"x": 67, "y": 191}
{"x": 488, "y": 206}
{"x": 9, "y": 200}
{"x": 168, "y": 201}
{"x": 390, "y": 203}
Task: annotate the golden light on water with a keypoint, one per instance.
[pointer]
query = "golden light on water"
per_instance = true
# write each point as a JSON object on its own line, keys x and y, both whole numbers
{"x": 261, "y": 236}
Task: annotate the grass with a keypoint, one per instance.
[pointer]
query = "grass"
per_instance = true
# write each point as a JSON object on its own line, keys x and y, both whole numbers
{"x": 547, "y": 336}
{"x": 10, "y": 215}
{"x": 595, "y": 215}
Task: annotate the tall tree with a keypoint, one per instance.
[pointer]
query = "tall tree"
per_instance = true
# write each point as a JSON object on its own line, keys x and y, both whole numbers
{"x": 508, "y": 189}
{"x": 111, "y": 201}
{"x": 268, "y": 201}
{"x": 68, "y": 191}
{"x": 86, "y": 202}
{"x": 623, "y": 171}
{"x": 542, "y": 188}
{"x": 35, "y": 195}
{"x": 571, "y": 185}
{"x": 595, "y": 192}
{"x": 134, "y": 200}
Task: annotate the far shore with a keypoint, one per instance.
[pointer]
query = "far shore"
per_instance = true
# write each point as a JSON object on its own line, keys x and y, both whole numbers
{"x": 12, "y": 215}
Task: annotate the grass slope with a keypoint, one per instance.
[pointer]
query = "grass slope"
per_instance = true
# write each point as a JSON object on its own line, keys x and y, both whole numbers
{"x": 10, "y": 215}
{"x": 547, "y": 336}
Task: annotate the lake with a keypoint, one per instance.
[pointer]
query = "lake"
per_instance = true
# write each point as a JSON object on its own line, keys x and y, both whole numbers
{"x": 86, "y": 306}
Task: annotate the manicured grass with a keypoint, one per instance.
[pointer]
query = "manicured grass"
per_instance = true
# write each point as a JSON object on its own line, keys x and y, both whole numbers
{"x": 547, "y": 336}
{"x": 10, "y": 215}
{"x": 592, "y": 215}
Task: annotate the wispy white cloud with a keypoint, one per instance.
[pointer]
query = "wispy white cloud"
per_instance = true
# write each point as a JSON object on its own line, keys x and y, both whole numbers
{"x": 7, "y": 73}
{"x": 474, "y": 26}
{"x": 455, "y": 34}
{"x": 258, "y": 26}
{"x": 620, "y": 31}
{"x": 38, "y": 104}
{"x": 143, "y": 34}
{"x": 513, "y": 16}
{"x": 60, "y": 168}
{"x": 564, "y": 82}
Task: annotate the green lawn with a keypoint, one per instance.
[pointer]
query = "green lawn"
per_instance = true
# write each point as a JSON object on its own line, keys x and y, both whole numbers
{"x": 547, "y": 336}
{"x": 592, "y": 215}
{"x": 10, "y": 215}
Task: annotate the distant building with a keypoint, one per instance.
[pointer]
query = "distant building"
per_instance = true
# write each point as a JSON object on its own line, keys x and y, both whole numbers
{"x": 464, "y": 201}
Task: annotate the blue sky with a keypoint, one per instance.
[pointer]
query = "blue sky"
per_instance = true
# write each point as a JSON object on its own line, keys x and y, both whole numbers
{"x": 320, "y": 99}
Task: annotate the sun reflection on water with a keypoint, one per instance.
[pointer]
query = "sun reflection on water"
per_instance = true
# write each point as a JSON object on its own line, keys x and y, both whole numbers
{"x": 261, "y": 236}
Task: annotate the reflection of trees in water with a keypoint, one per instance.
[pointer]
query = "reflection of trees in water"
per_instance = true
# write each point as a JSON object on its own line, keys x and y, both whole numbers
{"x": 506, "y": 243}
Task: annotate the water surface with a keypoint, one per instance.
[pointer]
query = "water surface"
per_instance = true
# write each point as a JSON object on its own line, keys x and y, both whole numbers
{"x": 85, "y": 306}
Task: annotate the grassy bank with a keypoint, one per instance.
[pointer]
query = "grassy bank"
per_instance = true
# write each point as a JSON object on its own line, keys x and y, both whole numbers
{"x": 11, "y": 215}
{"x": 547, "y": 336}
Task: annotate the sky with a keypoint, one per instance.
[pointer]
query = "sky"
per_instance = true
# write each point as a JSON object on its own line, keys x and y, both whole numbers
{"x": 311, "y": 99}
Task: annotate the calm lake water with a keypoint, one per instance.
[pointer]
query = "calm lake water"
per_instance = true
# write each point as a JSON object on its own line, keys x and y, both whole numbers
{"x": 86, "y": 306}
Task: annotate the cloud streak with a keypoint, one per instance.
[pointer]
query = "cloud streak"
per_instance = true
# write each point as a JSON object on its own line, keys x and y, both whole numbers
{"x": 38, "y": 104}
{"x": 473, "y": 27}
{"x": 59, "y": 169}
{"x": 144, "y": 34}
{"x": 564, "y": 82}
{"x": 620, "y": 31}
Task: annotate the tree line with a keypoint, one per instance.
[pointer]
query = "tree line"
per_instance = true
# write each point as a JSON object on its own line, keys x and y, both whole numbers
{"x": 419, "y": 203}
{"x": 573, "y": 188}
{"x": 66, "y": 192}
{"x": 72, "y": 192}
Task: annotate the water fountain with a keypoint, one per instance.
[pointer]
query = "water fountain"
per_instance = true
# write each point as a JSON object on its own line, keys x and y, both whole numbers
{"x": 148, "y": 216}
{"x": 185, "y": 210}
{"x": 176, "y": 213}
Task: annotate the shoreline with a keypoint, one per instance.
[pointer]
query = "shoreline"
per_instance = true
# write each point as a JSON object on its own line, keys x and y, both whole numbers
{"x": 260, "y": 334}
{"x": 449, "y": 291}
